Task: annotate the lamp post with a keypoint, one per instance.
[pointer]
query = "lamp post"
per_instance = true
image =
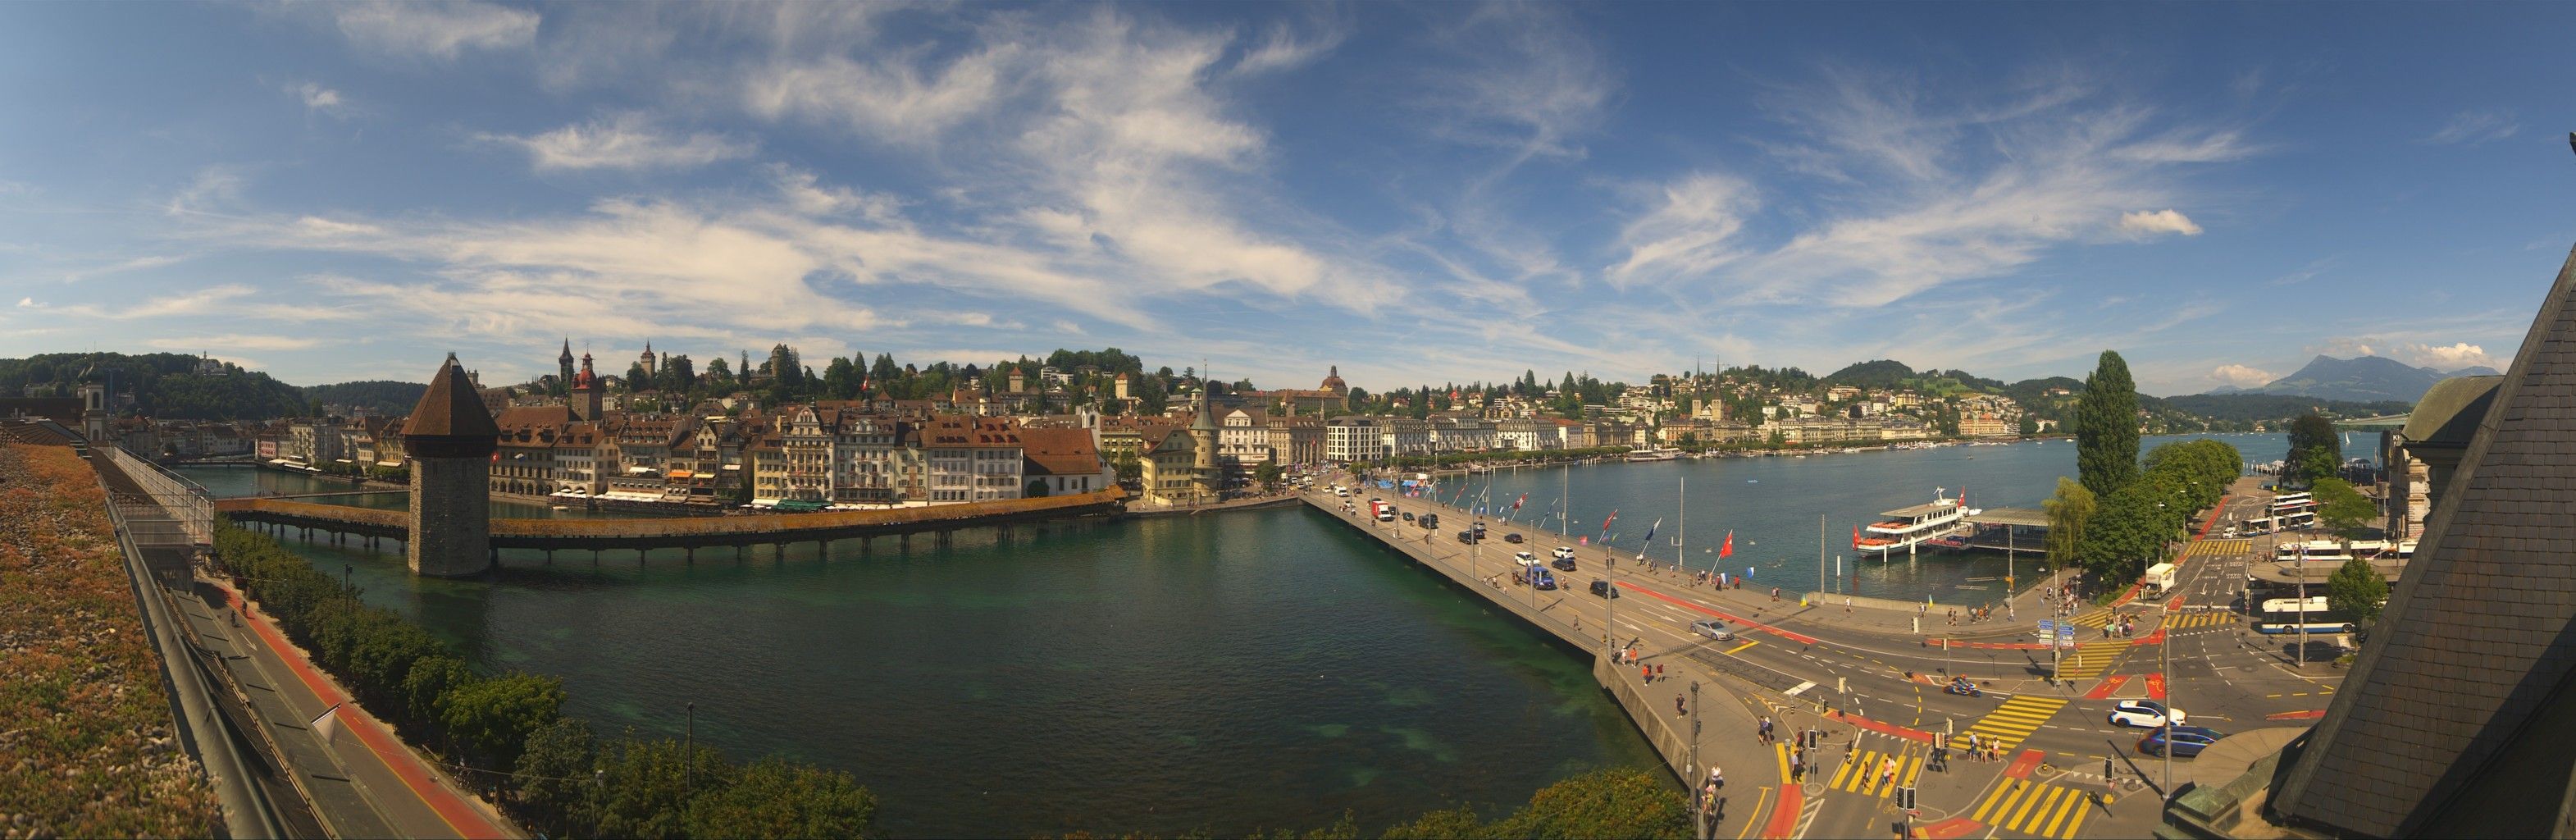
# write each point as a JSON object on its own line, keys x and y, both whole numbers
{"x": 1704, "y": 815}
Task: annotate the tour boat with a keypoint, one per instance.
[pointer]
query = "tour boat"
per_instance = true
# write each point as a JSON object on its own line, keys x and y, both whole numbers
{"x": 1905, "y": 528}
{"x": 1654, "y": 454}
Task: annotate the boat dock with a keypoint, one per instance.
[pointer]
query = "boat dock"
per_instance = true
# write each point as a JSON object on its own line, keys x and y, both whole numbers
{"x": 2013, "y": 531}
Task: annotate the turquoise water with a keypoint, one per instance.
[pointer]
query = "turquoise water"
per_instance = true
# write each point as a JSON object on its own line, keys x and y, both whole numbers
{"x": 1235, "y": 673}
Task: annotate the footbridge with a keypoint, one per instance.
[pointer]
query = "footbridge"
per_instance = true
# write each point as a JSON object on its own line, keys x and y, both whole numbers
{"x": 683, "y": 532}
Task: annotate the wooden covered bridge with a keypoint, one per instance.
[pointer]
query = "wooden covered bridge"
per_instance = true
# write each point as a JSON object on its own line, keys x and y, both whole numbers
{"x": 691, "y": 533}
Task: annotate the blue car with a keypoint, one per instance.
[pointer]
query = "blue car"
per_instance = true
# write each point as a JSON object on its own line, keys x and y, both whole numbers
{"x": 2185, "y": 741}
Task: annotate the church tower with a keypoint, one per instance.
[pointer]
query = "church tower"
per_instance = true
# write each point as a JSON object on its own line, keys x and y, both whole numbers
{"x": 564, "y": 380}
{"x": 585, "y": 392}
{"x": 451, "y": 439}
{"x": 650, "y": 368}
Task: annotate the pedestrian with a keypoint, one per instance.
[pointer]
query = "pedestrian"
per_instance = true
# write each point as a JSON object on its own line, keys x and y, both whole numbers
{"x": 1887, "y": 772}
{"x": 1647, "y": 673}
{"x": 1798, "y": 766}
{"x": 1678, "y": 708}
{"x": 1716, "y": 777}
{"x": 1659, "y": 671}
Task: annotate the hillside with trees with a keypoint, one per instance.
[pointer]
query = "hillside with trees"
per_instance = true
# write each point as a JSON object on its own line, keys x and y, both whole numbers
{"x": 170, "y": 386}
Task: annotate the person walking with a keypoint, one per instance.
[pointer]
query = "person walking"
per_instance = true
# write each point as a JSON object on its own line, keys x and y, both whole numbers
{"x": 1678, "y": 708}
{"x": 1716, "y": 777}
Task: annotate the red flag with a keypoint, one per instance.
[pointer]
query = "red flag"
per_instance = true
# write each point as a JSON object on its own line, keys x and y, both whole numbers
{"x": 1614, "y": 517}
{"x": 1856, "y": 533}
{"x": 1516, "y": 503}
{"x": 1727, "y": 550}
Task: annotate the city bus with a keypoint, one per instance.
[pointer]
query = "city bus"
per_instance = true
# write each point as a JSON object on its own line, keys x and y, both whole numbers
{"x": 2274, "y": 524}
{"x": 2288, "y": 501}
{"x": 2287, "y": 615}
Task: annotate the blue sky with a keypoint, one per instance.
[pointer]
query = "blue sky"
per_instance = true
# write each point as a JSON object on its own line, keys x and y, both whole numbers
{"x": 1416, "y": 193}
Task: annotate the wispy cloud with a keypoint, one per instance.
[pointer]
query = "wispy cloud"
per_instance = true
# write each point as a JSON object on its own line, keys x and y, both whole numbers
{"x": 2451, "y": 357}
{"x": 233, "y": 341}
{"x": 317, "y": 99}
{"x": 1690, "y": 232}
{"x": 431, "y": 30}
{"x": 1524, "y": 79}
{"x": 623, "y": 141}
{"x": 2477, "y": 126}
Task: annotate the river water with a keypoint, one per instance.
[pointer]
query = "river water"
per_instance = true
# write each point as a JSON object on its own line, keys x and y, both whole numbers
{"x": 1229, "y": 673}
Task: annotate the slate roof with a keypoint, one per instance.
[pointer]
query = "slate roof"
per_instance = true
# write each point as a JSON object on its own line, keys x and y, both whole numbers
{"x": 2457, "y": 719}
{"x": 451, "y": 407}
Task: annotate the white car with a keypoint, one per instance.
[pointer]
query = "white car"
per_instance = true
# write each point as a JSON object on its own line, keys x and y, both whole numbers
{"x": 1564, "y": 552}
{"x": 2145, "y": 714}
{"x": 1525, "y": 558}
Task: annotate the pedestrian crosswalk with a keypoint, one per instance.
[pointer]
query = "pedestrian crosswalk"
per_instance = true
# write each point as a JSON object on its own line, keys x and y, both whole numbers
{"x": 2089, "y": 660}
{"x": 2219, "y": 548}
{"x": 1868, "y": 775}
{"x": 2199, "y": 618}
{"x": 2035, "y": 808}
{"x": 2012, "y": 721}
{"x": 2094, "y": 619}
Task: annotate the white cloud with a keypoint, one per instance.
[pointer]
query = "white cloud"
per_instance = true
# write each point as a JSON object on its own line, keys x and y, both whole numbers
{"x": 1526, "y": 80}
{"x": 432, "y": 30}
{"x": 2475, "y": 126}
{"x": 213, "y": 188}
{"x": 318, "y": 226}
{"x": 316, "y": 98}
{"x": 211, "y": 300}
{"x": 1690, "y": 231}
{"x": 889, "y": 99}
{"x": 29, "y": 303}
{"x": 1283, "y": 48}
{"x": 2242, "y": 376}
{"x": 222, "y": 343}
{"x": 2161, "y": 221}
{"x": 623, "y": 141}
{"x": 2453, "y": 357}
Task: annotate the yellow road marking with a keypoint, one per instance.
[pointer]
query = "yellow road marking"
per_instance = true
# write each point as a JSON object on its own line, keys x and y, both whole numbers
{"x": 2072, "y": 803}
{"x": 2077, "y": 823}
{"x": 1731, "y": 651}
{"x": 2049, "y": 793}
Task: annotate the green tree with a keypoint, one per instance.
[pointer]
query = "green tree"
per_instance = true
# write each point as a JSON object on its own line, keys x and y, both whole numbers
{"x": 497, "y": 714}
{"x": 2106, "y": 427}
{"x": 1037, "y": 489}
{"x": 2068, "y": 511}
{"x": 645, "y": 785}
{"x": 1269, "y": 474}
{"x": 2355, "y": 589}
{"x": 555, "y": 778}
{"x": 719, "y": 374}
{"x": 1129, "y": 467}
{"x": 2315, "y": 451}
{"x": 1618, "y": 802}
{"x": 776, "y": 798}
{"x": 2029, "y": 426}
{"x": 2341, "y": 508}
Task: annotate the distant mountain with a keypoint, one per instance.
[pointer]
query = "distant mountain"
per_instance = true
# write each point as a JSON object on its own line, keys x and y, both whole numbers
{"x": 2481, "y": 370}
{"x": 170, "y": 386}
{"x": 2225, "y": 389}
{"x": 2363, "y": 379}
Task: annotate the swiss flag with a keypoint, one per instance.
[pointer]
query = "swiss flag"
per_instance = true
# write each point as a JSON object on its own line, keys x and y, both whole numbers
{"x": 1727, "y": 550}
{"x": 1855, "y": 536}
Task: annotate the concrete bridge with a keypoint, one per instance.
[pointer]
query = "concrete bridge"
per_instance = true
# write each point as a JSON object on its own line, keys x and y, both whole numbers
{"x": 690, "y": 533}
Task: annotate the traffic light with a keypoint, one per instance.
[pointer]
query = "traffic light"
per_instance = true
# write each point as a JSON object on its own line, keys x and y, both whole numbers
{"x": 1905, "y": 799}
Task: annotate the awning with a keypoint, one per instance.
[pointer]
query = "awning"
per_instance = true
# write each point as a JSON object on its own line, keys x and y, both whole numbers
{"x": 682, "y": 474}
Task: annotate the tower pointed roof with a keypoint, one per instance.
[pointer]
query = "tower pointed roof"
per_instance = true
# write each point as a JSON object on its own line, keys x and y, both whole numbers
{"x": 451, "y": 408}
{"x": 567, "y": 351}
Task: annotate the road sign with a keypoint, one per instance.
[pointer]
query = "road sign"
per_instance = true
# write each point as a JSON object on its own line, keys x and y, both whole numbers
{"x": 2046, "y": 627}
{"x": 2066, "y": 635}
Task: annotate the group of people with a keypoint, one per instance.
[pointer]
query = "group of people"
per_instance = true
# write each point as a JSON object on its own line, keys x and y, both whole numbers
{"x": 1981, "y": 748}
{"x": 1973, "y": 614}
{"x": 2124, "y": 628}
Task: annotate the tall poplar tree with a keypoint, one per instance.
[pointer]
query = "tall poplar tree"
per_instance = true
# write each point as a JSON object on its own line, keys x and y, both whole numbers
{"x": 2106, "y": 428}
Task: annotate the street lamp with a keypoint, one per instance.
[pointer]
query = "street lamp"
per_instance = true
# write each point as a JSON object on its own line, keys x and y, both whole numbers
{"x": 1694, "y": 756}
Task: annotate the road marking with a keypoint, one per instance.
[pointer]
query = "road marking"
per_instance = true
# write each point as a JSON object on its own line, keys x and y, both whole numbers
{"x": 2013, "y": 721}
{"x": 1733, "y": 650}
{"x": 1801, "y": 687}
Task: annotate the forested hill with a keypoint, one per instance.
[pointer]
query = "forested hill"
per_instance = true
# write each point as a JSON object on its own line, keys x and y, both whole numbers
{"x": 2248, "y": 408}
{"x": 170, "y": 386}
{"x": 377, "y": 396}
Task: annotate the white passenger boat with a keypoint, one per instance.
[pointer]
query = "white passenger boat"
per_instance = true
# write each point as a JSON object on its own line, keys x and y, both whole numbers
{"x": 1905, "y": 528}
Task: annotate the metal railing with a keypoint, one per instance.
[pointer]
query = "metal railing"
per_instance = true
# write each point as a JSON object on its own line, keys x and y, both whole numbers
{"x": 178, "y": 511}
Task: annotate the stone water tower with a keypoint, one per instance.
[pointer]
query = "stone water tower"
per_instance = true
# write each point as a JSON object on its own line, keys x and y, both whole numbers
{"x": 451, "y": 438}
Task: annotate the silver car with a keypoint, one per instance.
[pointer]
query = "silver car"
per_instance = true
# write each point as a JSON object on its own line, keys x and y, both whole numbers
{"x": 1714, "y": 630}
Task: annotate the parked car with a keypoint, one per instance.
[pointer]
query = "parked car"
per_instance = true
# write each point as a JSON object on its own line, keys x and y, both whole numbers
{"x": 1408, "y": 516}
{"x": 1525, "y": 558}
{"x": 1512, "y": 537}
{"x": 1564, "y": 552}
{"x": 1468, "y": 537}
{"x": 1563, "y": 563}
{"x": 2184, "y": 742}
{"x": 1602, "y": 588}
{"x": 2145, "y": 714}
{"x": 1712, "y": 629}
